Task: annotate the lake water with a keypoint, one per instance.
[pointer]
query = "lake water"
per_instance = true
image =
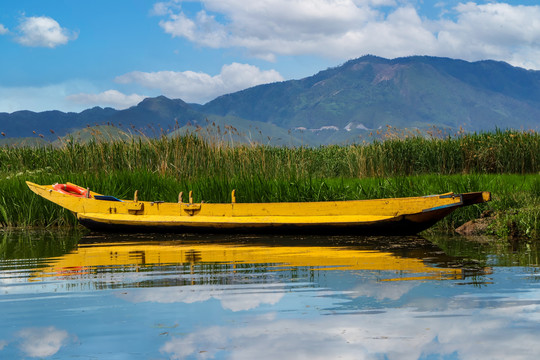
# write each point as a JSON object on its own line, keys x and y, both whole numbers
{"x": 78, "y": 296}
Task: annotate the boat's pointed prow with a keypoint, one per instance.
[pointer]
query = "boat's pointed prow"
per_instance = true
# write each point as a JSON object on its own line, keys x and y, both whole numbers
{"x": 38, "y": 189}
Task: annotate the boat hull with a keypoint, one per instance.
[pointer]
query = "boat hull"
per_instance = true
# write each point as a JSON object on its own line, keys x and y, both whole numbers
{"x": 402, "y": 226}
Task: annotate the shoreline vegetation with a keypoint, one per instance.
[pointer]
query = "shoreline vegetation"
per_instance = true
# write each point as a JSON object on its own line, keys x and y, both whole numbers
{"x": 507, "y": 163}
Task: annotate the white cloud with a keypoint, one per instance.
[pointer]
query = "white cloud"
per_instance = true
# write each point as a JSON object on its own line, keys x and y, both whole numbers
{"x": 200, "y": 87}
{"x": 40, "y": 342}
{"x": 3, "y": 30}
{"x": 159, "y": 9}
{"x": 380, "y": 2}
{"x": 495, "y": 30}
{"x": 269, "y": 27}
{"x": 165, "y": 7}
{"x": 42, "y": 31}
{"x": 179, "y": 25}
{"x": 346, "y": 29}
{"x": 75, "y": 95}
{"x": 112, "y": 98}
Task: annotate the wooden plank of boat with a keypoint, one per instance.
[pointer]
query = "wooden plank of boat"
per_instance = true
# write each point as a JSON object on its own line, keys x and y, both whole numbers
{"x": 385, "y": 216}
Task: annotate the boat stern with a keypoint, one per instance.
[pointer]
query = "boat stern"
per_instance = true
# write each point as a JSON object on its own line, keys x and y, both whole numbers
{"x": 476, "y": 198}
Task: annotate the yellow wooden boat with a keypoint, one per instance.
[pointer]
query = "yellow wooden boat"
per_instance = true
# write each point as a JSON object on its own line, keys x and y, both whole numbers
{"x": 382, "y": 216}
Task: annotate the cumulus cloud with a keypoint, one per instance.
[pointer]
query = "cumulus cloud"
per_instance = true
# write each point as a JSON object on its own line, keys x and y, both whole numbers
{"x": 40, "y": 342}
{"x": 42, "y": 31}
{"x": 494, "y": 30}
{"x": 112, "y": 98}
{"x": 346, "y": 29}
{"x": 3, "y": 30}
{"x": 200, "y": 87}
{"x": 268, "y": 27}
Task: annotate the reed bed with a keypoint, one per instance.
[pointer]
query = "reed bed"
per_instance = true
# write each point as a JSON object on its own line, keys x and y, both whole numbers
{"x": 504, "y": 162}
{"x": 516, "y": 198}
{"x": 189, "y": 157}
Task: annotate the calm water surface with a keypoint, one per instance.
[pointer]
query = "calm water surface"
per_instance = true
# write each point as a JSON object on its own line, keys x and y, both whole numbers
{"x": 77, "y": 296}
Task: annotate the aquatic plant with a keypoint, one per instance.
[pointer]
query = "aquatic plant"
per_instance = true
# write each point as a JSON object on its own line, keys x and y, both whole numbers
{"x": 504, "y": 162}
{"x": 190, "y": 157}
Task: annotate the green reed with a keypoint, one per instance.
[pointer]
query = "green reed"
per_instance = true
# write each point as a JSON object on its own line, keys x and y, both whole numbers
{"x": 516, "y": 198}
{"x": 189, "y": 157}
{"x": 393, "y": 167}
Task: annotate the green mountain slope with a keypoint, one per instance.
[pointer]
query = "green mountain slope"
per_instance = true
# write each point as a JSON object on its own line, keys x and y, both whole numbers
{"x": 234, "y": 130}
{"x": 372, "y": 92}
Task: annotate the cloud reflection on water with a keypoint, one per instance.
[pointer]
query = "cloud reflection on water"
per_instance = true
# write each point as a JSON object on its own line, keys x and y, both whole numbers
{"x": 41, "y": 341}
{"x": 402, "y": 333}
{"x": 382, "y": 290}
{"x": 239, "y": 299}
{"x": 238, "y": 302}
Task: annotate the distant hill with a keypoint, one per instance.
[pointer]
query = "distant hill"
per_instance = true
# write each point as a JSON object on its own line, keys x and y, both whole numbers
{"x": 151, "y": 116}
{"x": 50, "y": 124}
{"x": 23, "y": 142}
{"x": 414, "y": 92}
{"x": 234, "y": 130}
{"x": 154, "y": 116}
{"x": 338, "y": 105}
{"x": 98, "y": 133}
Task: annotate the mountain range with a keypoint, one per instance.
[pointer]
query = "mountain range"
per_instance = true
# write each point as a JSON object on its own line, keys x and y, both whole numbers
{"x": 337, "y": 105}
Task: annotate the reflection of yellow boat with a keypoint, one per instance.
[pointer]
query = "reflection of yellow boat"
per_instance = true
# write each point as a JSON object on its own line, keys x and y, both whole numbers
{"x": 88, "y": 260}
{"x": 400, "y": 215}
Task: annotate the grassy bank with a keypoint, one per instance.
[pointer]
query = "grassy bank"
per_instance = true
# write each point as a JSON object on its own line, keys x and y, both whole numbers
{"x": 505, "y": 163}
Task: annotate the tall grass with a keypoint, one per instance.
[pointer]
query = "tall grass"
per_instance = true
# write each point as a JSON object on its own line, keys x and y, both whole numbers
{"x": 517, "y": 193}
{"x": 189, "y": 157}
{"x": 161, "y": 168}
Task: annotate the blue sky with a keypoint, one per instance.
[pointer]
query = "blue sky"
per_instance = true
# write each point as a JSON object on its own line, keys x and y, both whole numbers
{"x": 72, "y": 55}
